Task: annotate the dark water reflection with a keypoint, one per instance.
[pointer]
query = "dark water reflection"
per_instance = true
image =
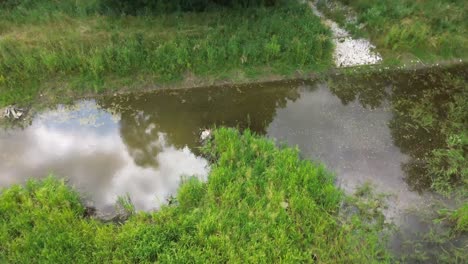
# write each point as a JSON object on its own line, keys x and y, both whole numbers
{"x": 142, "y": 145}
{"x": 420, "y": 102}
{"x": 182, "y": 114}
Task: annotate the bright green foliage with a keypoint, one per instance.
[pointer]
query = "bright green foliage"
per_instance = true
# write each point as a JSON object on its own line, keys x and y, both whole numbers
{"x": 260, "y": 204}
{"x": 71, "y": 47}
{"x": 460, "y": 217}
{"x": 457, "y": 218}
{"x": 42, "y": 222}
{"x": 428, "y": 30}
{"x": 449, "y": 165}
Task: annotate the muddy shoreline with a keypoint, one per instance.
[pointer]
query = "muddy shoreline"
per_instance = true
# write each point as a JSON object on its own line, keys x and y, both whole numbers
{"x": 42, "y": 102}
{"x": 190, "y": 83}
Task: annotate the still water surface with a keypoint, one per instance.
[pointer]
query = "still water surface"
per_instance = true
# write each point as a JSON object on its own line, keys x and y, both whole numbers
{"x": 144, "y": 145}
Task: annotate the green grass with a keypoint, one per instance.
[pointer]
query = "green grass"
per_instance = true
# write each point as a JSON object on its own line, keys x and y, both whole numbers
{"x": 405, "y": 30}
{"x": 261, "y": 204}
{"x": 458, "y": 218}
{"x": 62, "y": 48}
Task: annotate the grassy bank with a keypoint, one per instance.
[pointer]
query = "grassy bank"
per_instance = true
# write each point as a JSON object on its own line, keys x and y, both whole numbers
{"x": 260, "y": 204}
{"x": 405, "y": 30}
{"x": 61, "y": 48}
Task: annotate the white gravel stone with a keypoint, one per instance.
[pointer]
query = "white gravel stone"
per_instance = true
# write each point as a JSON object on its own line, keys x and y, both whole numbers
{"x": 348, "y": 51}
{"x": 352, "y": 52}
{"x": 205, "y": 134}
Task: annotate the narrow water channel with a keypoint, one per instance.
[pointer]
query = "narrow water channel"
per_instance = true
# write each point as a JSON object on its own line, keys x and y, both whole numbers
{"x": 144, "y": 145}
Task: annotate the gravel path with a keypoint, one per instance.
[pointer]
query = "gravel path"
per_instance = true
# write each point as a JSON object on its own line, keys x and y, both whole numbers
{"x": 348, "y": 51}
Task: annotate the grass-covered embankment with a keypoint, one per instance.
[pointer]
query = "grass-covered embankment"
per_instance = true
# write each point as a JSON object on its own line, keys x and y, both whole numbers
{"x": 261, "y": 204}
{"x": 405, "y": 30}
{"x": 63, "y": 48}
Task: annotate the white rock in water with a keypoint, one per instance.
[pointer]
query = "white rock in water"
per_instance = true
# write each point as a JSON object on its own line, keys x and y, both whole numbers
{"x": 13, "y": 112}
{"x": 16, "y": 113}
{"x": 205, "y": 134}
{"x": 6, "y": 113}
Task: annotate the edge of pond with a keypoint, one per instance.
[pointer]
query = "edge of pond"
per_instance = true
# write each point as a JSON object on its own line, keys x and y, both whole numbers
{"x": 197, "y": 83}
{"x": 193, "y": 82}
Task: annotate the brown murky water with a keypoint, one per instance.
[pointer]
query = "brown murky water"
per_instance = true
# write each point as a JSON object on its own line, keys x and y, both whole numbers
{"x": 144, "y": 145}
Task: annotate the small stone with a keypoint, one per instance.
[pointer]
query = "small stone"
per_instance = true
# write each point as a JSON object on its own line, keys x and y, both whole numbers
{"x": 205, "y": 134}
{"x": 285, "y": 205}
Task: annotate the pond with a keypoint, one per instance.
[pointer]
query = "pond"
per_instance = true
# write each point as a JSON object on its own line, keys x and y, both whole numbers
{"x": 144, "y": 145}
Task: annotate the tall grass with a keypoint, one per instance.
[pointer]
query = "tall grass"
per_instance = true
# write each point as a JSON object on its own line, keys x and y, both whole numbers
{"x": 428, "y": 30}
{"x": 165, "y": 6}
{"x": 69, "y": 45}
{"x": 260, "y": 204}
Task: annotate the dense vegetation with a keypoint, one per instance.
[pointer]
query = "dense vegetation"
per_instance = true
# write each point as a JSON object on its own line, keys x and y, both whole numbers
{"x": 134, "y": 7}
{"x": 247, "y": 212}
{"x": 164, "y": 6}
{"x": 58, "y": 48}
{"x": 406, "y": 29}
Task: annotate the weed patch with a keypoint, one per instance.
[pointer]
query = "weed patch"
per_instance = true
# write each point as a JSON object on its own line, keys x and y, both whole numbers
{"x": 407, "y": 30}
{"x": 261, "y": 203}
{"x": 48, "y": 47}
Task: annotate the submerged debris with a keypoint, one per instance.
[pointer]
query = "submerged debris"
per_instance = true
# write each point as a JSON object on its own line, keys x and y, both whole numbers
{"x": 205, "y": 135}
{"x": 12, "y": 112}
{"x": 118, "y": 215}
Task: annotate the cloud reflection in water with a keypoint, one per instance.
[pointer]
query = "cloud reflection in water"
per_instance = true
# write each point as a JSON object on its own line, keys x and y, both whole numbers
{"x": 87, "y": 149}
